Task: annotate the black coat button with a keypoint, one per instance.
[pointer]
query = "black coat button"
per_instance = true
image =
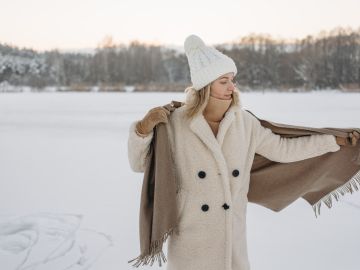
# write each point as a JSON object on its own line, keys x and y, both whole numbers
{"x": 204, "y": 207}
{"x": 235, "y": 173}
{"x": 226, "y": 206}
{"x": 202, "y": 174}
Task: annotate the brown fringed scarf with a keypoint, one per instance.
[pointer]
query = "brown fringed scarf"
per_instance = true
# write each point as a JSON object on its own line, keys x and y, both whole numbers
{"x": 158, "y": 209}
{"x": 273, "y": 185}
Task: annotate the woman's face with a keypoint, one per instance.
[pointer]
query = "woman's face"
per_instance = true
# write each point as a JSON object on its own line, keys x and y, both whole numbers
{"x": 223, "y": 86}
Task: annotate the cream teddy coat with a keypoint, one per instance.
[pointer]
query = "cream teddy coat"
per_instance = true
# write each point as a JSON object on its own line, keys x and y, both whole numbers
{"x": 214, "y": 174}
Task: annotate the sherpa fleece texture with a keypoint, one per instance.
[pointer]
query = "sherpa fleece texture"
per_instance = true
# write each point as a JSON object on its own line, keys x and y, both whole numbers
{"x": 216, "y": 239}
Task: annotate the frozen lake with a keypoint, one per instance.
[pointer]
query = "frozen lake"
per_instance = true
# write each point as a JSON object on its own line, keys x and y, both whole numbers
{"x": 69, "y": 200}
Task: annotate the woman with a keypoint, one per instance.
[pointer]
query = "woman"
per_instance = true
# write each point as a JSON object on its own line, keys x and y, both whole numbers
{"x": 214, "y": 141}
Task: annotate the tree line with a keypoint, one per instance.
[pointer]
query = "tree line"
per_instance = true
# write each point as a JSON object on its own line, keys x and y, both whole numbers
{"x": 331, "y": 59}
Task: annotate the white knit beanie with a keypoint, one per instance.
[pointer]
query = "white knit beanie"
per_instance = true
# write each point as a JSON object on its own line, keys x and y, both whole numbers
{"x": 206, "y": 63}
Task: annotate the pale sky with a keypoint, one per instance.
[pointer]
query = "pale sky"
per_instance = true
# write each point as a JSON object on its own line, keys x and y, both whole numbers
{"x": 73, "y": 24}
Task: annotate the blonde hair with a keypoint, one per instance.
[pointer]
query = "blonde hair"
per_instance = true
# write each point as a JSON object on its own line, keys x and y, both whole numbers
{"x": 196, "y": 100}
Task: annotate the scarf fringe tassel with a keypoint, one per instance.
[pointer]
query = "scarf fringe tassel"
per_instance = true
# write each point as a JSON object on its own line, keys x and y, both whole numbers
{"x": 155, "y": 253}
{"x": 348, "y": 187}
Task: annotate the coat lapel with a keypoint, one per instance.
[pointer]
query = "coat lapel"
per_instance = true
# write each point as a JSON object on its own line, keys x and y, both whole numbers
{"x": 226, "y": 123}
{"x": 202, "y": 129}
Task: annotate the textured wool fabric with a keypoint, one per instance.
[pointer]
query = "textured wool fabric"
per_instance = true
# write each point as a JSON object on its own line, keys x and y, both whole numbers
{"x": 214, "y": 175}
{"x": 214, "y": 112}
{"x": 158, "y": 211}
{"x": 205, "y": 62}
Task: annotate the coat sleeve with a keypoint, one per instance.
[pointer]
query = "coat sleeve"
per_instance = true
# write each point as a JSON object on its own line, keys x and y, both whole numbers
{"x": 281, "y": 149}
{"x": 137, "y": 149}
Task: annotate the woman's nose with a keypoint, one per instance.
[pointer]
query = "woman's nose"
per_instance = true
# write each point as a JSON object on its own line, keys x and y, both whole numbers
{"x": 232, "y": 86}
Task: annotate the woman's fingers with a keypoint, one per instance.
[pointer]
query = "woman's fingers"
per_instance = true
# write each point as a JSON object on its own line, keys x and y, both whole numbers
{"x": 164, "y": 115}
{"x": 354, "y": 137}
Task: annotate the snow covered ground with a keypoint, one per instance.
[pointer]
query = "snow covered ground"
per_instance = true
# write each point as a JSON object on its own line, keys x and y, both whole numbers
{"x": 69, "y": 200}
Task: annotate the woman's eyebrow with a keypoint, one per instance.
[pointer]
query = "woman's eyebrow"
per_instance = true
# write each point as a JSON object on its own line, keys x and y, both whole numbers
{"x": 225, "y": 77}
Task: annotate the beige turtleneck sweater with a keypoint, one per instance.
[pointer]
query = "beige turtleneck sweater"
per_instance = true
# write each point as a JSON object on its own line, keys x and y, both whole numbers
{"x": 215, "y": 111}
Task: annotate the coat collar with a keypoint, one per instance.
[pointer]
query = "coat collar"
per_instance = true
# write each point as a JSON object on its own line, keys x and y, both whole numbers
{"x": 201, "y": 128}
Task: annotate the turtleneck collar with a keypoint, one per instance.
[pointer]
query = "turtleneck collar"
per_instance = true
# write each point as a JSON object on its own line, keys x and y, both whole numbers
{"x": 216, "y": 109}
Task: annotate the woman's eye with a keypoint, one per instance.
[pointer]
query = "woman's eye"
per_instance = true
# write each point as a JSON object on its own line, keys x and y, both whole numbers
{"x": 231, "y": 81}
{"x": 225, "y": 82}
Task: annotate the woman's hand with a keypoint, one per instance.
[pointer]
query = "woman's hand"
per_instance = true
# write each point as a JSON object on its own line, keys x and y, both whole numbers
{"x": 151, "y": 119}
{"x": 351, "y": 140}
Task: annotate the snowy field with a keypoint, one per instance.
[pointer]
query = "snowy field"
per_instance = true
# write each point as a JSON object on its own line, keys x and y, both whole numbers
{"x": 69, "y": 200}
